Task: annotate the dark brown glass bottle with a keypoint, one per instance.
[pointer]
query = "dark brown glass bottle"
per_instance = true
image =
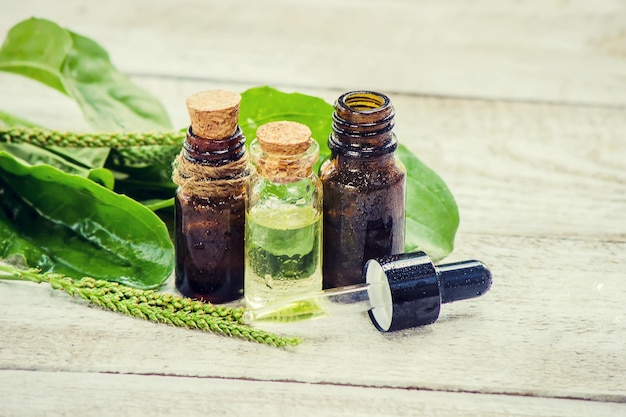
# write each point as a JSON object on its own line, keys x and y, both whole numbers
{"x": 364, "y": 188}
{"x": 211, "y": 172}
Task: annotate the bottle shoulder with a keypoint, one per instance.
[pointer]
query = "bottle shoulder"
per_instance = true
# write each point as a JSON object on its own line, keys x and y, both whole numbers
{"x": 259, "y": 183}
{"x": 306, "y": 191}
{"x": 194, "y": 201}
{"x": 362, "y": 173}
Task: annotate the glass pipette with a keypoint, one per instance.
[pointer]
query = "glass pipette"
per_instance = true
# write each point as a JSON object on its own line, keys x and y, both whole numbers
{"x": 400, "y": 291}
{"x": 342, "y": 300}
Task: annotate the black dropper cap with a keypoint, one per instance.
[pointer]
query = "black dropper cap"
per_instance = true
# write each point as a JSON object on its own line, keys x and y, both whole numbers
{"x": 417, "y": 288}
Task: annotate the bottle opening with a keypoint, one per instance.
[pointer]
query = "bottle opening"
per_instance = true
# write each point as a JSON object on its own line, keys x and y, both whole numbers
{"x": 363, "y": 113}
{"x": 365, "y": 101}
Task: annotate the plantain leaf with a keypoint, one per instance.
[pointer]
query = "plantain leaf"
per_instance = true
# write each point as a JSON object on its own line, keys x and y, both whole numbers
{"x": 66, "y": 223}
{"x": 36, "y": 48}
{"x": 7, "y": 119}
{"x": 80, "y": 68}
{"x": 261, "y": 105}
{"x": 35, "y": 155}
{"x": 432, "y": 216}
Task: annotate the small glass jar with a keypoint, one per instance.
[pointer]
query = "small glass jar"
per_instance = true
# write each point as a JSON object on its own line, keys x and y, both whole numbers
{"x": 364, "y": 188}
{"x": 211, "y": 172}
{"x": 283, "y": 248}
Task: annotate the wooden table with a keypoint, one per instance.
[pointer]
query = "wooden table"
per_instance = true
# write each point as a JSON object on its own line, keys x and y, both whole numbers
{"x": 519, "y": 106}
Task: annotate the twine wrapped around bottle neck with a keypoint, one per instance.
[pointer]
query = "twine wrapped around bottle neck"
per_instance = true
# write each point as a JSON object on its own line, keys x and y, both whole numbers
{"x": 213, "y": 161}
{"x": 209, "y": 180}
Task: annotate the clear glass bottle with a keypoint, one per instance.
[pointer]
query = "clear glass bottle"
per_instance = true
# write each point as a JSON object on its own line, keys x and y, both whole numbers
{"x": 364, "y": 188}
{"x": 283, "y": 215}
{"x": 211, "y": 172}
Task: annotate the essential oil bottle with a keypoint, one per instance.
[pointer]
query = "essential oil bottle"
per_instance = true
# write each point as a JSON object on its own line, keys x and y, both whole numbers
{"x": 364, "y": 188}
{"x": 283, "y": 215}
{"x": 211, "y": 173}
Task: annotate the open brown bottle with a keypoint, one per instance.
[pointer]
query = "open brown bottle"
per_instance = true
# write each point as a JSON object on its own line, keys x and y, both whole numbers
{"x": 364, "y": 188}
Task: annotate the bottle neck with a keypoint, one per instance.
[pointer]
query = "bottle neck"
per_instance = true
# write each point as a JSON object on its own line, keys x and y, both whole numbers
{"x": 363, "y": 148}
{"x": 211, "y": 167}
{"x": 214, "y": 152}
{"x": 362, "y": 125}
{"x": 284, "y": 168}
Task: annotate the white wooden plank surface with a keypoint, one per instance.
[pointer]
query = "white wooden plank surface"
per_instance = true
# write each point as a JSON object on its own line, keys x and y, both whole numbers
{"x": 51, "y": 393}
{"x": 553, "y": 326}
{"x": 549, "y": 50}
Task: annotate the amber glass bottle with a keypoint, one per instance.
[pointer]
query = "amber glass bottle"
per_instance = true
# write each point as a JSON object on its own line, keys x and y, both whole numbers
{"x": 364, "y": 188}
{"x": 211, "y": 172}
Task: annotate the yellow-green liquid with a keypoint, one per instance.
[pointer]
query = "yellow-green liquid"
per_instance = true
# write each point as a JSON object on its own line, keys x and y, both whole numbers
{"x": 294, "y": 311}
{"x": 283, "y": 253}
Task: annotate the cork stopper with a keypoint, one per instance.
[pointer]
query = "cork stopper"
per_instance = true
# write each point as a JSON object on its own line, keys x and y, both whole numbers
{"x": 284, "y": 138}
{"x": 214, "y": 114}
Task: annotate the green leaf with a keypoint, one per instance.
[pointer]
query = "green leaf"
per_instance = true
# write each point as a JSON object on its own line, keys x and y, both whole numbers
{"x": 79, "y": 67}
{"x": 68, "y": 224}
{"x": 35, "y": 155}
{"x": 102, "y": 176}
{"x": 261, "y": 105}
{"x": 159, "y": 204}
{"x": 60, "y": 158}
{"x": 432, "y": 216}
{"x": 36, "y": 48}
{"x": 7, "y": 119}
{"x": 148, "y": 183}
{"x": 85, "y": 157}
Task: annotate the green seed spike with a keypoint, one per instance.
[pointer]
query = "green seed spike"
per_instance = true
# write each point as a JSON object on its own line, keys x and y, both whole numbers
{"x": 153, "y": 306}
{"x": 44, "y": 137}
{"x": 127, "y": 148}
